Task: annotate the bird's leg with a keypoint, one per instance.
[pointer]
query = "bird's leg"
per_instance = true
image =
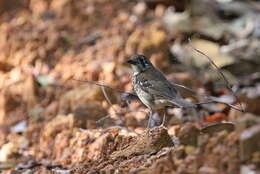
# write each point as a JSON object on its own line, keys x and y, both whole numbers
{"x": 164, "y": 117}
{"x": 150, "y": 118}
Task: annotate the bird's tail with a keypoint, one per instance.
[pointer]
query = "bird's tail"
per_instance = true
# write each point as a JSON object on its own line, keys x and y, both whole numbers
{"x": 183, "y": 103}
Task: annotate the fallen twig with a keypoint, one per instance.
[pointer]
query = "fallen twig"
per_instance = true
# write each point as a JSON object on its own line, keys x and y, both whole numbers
{"x": 125, "y": 96}
{"x": 100, "y": 84}
{"x": 211, "y": 98}
{"x": 223, "y": 76}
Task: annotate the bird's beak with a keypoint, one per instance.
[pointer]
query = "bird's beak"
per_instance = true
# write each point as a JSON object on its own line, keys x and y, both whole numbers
{"x": 131, "y": 61}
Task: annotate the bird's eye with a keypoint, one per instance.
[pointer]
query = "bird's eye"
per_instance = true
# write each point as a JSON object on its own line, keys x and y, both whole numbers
{"x": 143, "y": 62}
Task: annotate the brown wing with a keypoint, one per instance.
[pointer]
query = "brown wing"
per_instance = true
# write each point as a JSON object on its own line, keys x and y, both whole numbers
{"x": 157, "y": 88}
{"x": 160, "y": 87}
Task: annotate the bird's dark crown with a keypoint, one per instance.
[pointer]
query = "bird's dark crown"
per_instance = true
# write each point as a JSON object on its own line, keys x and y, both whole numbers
{"x": 139, "y": 63}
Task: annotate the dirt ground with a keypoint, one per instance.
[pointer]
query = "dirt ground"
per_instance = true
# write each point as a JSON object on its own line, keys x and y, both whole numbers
{"x": 51, "y": 122}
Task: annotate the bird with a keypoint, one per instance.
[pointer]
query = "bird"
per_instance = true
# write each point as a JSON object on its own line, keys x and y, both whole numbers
{"x": 153, "y": 88}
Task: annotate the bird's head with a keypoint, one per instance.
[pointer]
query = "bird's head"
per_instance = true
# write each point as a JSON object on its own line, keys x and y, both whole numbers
{"x": 139, "y": 63}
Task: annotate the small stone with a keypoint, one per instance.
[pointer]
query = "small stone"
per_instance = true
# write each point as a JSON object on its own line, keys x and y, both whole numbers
{"x": 19, "y": 127}
{"x": 140, "y": 8}
{"x": 6, "y": 150}
{"x": 60, "y": 171}
{"x": 247, "y": 121}
{"x": 84, "y": 113}
{"x": 190, "y": 149}
{"x": 28, "y": 172}
{"x": 57, "y": 124}
{"x": 7, "y": 165}
{"x": 207, "y": 170}
{"x": 248, "y": 169}
{"x": 249, "y": 142}
{"x": 256, "y": 157}
{"x": 218, "y": 127}
{"x": 188, "y": 135}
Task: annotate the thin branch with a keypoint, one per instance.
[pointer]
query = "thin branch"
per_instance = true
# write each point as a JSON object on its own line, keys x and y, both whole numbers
{"x": 109, "y": 102}
{"x": 228, "y": 104}
{"x": 106, "y": 96}
{"x": 100, "y": 84}
{"x": 103, "y": 86}
{"x": 211, "y": 98}
{"x": 125, "y": 95}
{"x": 221, "y": 74}
{"x": 216, "y": 101}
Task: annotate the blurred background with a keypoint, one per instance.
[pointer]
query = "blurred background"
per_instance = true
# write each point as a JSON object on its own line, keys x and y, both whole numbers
{"x": 45, "y": 44}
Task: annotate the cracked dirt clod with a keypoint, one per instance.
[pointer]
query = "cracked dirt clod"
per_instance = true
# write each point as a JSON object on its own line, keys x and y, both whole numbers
{"x": 151, "y": 141}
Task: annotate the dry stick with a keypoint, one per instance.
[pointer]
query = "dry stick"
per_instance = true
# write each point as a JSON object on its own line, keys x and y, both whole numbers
{"x": 103, "y": 86}
{"x": 212, "y": 99}
{"x": 241, "y": 109}
{"x": 109, "y": 102}
{"x": 105, "y": 94}
{"x": 99, "y": 84}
